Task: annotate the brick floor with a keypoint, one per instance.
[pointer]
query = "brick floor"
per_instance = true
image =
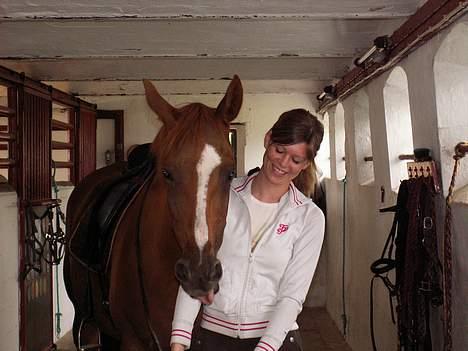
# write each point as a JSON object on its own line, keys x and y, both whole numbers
{"x": 318, "y": 331}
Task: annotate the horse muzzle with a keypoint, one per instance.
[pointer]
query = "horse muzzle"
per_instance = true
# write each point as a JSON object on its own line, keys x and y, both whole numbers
{"x": 200, "y": 281}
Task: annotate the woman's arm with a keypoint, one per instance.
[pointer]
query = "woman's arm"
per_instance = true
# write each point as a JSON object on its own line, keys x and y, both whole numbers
{"x": 185, "y": 313}
{"x": 177, "y": 347}
{"x": 296, "y": 281}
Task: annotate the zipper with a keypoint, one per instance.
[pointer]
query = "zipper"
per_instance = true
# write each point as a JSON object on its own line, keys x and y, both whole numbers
{"x": 244, "y": 290}
{"x": 247, "y": 276}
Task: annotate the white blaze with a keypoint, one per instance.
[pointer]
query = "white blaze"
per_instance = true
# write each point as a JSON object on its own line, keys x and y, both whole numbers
{"x": 209, "y": 160}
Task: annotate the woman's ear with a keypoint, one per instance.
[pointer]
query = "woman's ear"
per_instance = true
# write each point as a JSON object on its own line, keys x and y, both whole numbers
{"x": 267, "y": 139}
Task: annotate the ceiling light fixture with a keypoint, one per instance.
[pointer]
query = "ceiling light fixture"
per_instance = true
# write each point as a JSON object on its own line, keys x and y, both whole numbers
{"x": 329, "y": 93}
{"x": 377, "y": 53}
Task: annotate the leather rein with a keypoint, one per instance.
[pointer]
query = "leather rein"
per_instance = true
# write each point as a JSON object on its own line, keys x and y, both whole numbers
{"x": 143, "y": 292}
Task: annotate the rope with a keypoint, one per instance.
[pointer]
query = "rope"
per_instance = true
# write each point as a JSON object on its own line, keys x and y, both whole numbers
{"x": 447, "y": 283}
{"x": 344, "y": 317}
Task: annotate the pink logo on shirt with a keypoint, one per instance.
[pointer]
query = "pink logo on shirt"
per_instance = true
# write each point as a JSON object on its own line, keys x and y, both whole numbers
{"x": 282, "y": 228}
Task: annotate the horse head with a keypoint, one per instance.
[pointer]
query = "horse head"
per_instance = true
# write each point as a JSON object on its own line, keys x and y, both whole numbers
{"x": 195, "y": 166}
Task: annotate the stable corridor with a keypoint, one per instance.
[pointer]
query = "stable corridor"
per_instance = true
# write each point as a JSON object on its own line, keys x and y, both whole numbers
{"x": 318, "y": 331}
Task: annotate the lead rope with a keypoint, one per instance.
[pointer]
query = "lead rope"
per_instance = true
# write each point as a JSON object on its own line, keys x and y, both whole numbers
{"x": 448, "y": 252}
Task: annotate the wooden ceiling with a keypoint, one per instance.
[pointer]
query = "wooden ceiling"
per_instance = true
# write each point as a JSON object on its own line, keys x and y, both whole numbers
{"x": 302, "y": 40}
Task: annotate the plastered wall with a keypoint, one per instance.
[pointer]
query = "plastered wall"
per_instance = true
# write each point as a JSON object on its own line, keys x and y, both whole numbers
{"x": 9, "y": 263}
{"x": 437, "y": 78}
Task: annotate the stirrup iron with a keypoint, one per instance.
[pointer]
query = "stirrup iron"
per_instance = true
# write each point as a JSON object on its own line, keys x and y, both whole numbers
{"x": 88, "y": 347}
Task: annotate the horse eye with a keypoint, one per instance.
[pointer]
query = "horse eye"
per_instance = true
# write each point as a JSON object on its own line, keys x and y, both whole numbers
{"x": 231, "y": 176}
{"x": 166, "y": 174}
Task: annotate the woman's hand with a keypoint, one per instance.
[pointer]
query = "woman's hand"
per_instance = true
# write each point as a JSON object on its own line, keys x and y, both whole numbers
{"x": 177, "y": 347}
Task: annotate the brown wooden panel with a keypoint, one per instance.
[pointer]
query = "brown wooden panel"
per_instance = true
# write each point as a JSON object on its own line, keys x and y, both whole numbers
{"x": 12, "y": 128}
{"x": 59, "y": 145}
{"x": 38, "y": 298}
{"x": 85, "y": 145}
{"x": 36, "y": 146}
{"x": 63, "y": 164}
{"x": 59, "y": 125}
{"x": 7, "y": 111}
{"x": 7, "y": 136}
{"x": 34, "y": 159}
{"x": 6, "y": 163}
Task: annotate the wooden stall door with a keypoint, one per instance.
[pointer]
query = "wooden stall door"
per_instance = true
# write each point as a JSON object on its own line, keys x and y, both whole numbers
{"x": 34, "y": 187}
{"x": 85, "y": 150}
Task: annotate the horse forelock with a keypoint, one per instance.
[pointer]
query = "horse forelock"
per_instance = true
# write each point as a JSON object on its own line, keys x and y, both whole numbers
{"x": 195, "y": 123}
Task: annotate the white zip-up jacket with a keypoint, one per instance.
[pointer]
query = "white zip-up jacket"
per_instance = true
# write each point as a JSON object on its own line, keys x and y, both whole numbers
{"x": 261, "y": 292}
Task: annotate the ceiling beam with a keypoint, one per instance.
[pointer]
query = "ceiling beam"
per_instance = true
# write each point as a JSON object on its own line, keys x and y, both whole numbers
{"x": 187, "y": 87}
{"x": 205, "y": 8}
{"x": 189, "y": 38}
{"x": 177, "y": 68}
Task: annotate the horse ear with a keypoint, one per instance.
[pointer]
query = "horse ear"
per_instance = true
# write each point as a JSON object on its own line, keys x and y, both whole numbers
{"x": 160, "y": 106}
{"x": 231, "y": 103}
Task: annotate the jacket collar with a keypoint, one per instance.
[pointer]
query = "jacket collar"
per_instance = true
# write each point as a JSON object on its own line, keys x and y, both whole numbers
{"x": 242, "y": 186}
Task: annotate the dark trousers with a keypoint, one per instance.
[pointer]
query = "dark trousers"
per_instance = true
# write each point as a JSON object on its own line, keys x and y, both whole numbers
{"x": 206, "y": 340}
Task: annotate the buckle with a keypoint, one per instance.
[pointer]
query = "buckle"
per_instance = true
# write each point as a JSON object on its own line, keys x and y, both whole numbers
{"x": 425, "y": 286}
{"x": 428, "y": 223}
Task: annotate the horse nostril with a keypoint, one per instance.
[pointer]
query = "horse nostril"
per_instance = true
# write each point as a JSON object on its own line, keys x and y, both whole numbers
{"x": 217, "y": 272}
{"x": 182, "y": 270}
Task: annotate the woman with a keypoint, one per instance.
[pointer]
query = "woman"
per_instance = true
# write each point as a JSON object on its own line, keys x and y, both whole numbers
{"x": 271, "y": 246}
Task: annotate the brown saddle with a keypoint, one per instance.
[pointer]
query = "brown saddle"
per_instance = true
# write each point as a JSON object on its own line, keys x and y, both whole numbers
{"x": 91, "y": 242}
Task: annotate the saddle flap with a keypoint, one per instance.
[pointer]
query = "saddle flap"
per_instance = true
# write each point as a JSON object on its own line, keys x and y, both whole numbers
{"x": 91, "y": 242}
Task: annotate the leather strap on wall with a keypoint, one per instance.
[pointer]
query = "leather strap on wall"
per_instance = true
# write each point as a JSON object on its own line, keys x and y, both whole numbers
{"x": 460, "y": 150}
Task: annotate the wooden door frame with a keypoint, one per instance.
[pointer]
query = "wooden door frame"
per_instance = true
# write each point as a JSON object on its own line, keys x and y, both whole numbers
{"x": 118, "y": 117}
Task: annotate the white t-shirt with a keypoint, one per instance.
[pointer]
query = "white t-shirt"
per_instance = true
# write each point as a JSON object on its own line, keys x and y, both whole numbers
{"x": 261, "y": 215}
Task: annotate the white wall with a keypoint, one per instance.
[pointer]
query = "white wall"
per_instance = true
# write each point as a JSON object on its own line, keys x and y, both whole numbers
{"x": 438, "y": 104}
{"x": 9, "y": 263}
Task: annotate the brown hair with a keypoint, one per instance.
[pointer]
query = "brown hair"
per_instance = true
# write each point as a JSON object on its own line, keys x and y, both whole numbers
{"x": 300, "y": 126}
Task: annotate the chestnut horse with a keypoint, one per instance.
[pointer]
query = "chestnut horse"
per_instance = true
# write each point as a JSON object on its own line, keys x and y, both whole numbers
{"x": 169, "y": 233}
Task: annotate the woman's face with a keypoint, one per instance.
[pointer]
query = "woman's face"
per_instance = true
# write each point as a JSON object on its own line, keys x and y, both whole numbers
{"x": 283, "y": 163}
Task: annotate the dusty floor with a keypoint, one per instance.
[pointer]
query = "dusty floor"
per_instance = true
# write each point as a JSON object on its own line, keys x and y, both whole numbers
{"x": 318, "y": 331}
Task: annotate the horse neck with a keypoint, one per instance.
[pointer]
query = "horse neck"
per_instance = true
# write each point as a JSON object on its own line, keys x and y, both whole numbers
{"x": 156, "y": 226}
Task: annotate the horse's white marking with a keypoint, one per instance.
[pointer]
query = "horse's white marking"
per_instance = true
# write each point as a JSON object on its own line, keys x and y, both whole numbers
{"x": 209, "y": 160}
